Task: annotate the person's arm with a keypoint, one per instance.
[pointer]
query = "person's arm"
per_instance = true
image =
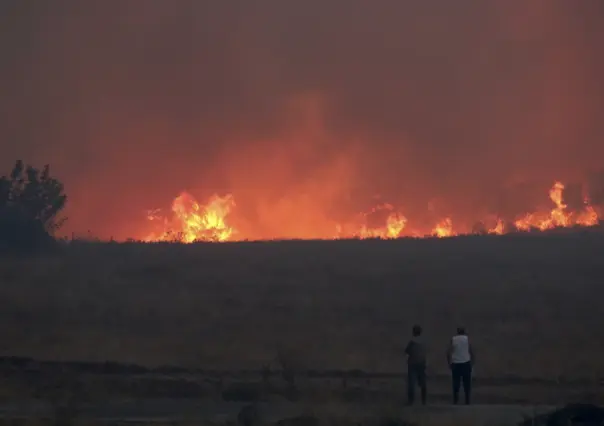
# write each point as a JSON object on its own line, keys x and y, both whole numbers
{"x": 472, "y": 356}
{"x": 450, "y": 352}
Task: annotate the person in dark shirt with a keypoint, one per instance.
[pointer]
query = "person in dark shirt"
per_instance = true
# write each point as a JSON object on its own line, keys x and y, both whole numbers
{"x": 416, "y": 366}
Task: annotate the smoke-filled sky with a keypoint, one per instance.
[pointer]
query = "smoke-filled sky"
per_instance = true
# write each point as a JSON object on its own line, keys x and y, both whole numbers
{"x": 314, "y": 106}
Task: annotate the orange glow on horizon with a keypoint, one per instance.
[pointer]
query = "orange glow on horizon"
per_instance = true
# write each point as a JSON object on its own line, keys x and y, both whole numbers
{"x": 191, "y": 221}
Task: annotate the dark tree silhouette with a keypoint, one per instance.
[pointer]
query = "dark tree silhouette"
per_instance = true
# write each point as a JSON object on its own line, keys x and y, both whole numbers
{"x": 30, "y": 203}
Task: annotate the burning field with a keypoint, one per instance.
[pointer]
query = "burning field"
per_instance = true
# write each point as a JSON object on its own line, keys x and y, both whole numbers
{"x": 190, "y": 221}
{"x": 379, "y": 133}
{"x": 314, "y": 120}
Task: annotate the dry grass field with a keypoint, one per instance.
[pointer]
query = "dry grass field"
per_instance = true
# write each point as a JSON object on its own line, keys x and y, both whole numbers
{"x": 531, "y": 304}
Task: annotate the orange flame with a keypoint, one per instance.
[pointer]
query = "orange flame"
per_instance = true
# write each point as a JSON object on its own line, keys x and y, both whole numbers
{"x": 498, "y": 229}
{"x": 395, "y": 224}
{"x": 194, "y": 222}
{"x": 444, "y": 229}
{"x": 588, "y": 217}
{"x": 198, "y": 223}
{"x": 558, "y": 217}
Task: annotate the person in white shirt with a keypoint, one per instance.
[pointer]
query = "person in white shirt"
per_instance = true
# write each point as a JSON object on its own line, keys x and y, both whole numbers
{"x": 460, "y": 357}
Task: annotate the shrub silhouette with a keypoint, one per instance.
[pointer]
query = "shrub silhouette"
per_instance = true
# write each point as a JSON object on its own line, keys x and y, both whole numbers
{"x": 30, "y": 203}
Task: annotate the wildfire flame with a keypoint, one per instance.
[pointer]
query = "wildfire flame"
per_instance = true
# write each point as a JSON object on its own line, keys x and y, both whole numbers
{"x": 444, "y": 229}
{"x": 191, "y": 221}
{"x": 195, "y": 222}
{"x": 498, "y": 229}
{"x": 395, "y": 224}
{"x": 558, "y": 217}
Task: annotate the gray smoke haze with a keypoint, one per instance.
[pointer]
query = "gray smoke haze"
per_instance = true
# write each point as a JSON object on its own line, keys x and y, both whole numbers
{"x": 316, "y": 105}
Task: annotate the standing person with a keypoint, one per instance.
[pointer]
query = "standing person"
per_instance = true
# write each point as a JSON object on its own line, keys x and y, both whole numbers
{"x": 460, "y": 357}
{"x": 416, "y": 365}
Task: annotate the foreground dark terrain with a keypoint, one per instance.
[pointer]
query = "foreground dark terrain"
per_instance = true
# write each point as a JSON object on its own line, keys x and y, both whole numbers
{"x": 223, "y": 321}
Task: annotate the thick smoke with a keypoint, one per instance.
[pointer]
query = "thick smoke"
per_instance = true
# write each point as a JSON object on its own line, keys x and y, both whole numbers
{"x": 304, "y": 110}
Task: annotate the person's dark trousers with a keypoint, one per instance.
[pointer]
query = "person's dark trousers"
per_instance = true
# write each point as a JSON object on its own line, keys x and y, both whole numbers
{"x": 416, "y": 376}
{"x": 462, "y": 375}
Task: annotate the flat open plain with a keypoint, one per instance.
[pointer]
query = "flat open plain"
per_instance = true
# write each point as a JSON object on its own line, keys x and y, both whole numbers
{"x": 187, "y": 411}
{"x": 531, "y": 304}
